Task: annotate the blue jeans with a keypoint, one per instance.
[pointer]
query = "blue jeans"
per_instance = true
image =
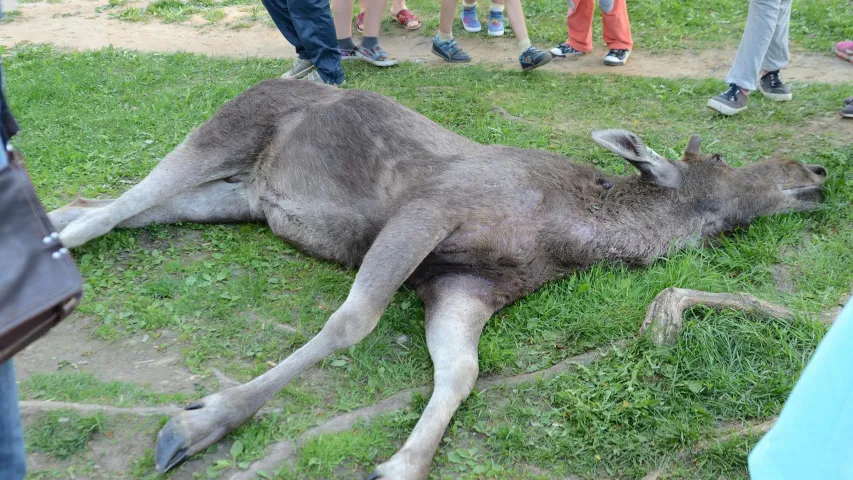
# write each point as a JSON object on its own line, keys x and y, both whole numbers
{"x": 308, "y": 26}
{"x": 13, "y": 460}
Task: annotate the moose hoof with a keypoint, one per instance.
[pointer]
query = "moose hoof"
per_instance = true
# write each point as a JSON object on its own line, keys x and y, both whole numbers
{"x": 171, "y": 449}
{"x": 199, "y": 426}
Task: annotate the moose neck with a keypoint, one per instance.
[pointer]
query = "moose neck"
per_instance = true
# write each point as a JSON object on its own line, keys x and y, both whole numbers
{"x": 632, "y": 221}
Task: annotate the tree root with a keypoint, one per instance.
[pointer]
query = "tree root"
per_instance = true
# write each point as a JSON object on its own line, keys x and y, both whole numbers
{"x": 286, "y": 450}
{"x": 664, "y": 316}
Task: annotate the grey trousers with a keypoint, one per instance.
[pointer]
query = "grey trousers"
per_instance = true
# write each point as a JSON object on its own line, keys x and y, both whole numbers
{"x": 764, "y": 45}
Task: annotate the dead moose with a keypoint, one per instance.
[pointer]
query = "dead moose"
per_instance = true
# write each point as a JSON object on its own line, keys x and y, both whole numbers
{"x": 355, "y": 177}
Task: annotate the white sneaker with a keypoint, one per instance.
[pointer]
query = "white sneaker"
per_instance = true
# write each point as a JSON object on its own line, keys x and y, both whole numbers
{"x": 300, "y": 68}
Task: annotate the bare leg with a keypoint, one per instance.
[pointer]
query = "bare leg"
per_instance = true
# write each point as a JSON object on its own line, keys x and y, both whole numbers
{"x": 456, "y": 313}
{"x": 516, "y": 19}
{"x": 342, "y": 11}
{"x": 398, "y": 249}
{"x": 373, "y": 17}
{"x": 448, "y": 13}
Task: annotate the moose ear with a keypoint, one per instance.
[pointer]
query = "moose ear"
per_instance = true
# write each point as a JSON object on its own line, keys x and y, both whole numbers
{"x": 653, "y": 168}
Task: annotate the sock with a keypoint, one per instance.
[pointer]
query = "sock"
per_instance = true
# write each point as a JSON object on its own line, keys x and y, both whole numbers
{"x": 496, "y": 7}
{"x": 469, "y": 5}
{"x": 444, "y": 37}
{"x": 346, "y": 43}
{"x": 523, "y": 44}
{"x": 369, "y": 42}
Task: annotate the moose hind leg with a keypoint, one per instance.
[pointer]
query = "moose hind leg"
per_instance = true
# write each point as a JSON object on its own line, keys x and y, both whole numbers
{"x": 398, "y": 249}
{"x": 455, "y": 316}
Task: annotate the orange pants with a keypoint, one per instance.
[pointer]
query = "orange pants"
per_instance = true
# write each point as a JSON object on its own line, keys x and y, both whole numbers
{"x": 617, "y": 28}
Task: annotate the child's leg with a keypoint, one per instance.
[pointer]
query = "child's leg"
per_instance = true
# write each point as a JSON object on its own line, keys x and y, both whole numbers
{"x": 579, "y": 21}
{"x": 445, "y": 21}
{"x": 615, "y": 23}
{"x": 519, "y": 24}
{"x": 761, "y": 22}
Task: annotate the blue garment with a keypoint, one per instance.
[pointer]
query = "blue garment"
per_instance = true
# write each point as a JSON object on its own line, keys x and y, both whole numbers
{"x": 308, "y": 25}
{"x": 13, "y": 460}
{"x": 813, "y": 438}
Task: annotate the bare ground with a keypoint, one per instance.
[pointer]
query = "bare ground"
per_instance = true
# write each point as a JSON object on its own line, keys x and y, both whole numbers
{"x": 85, "y": 24}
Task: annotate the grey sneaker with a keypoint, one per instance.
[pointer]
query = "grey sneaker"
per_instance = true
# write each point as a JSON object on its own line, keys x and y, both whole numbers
{"x": 847, "y": 111}
{"x": 730, "y": 102}
{"x": 565, "y": 50}
{"x": 772, "y": 87}
{"x": 299, "y": 69}
{"x": 315, "y": 77}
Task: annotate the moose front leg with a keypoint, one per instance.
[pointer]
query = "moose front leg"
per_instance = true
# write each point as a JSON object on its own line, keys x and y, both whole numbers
{"x": 398, "y": 249}
{"x": 455, "y": 316}
{"x": 664, "y": 315}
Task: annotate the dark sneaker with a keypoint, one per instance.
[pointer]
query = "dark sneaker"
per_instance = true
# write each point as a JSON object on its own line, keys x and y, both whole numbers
{"x": 348, "y": 54}
{"x": 730, "y": 102}
{"x": 772, "y": 87}
{"x": 564, "y": 50}
{"x": 469, "y": 19}
{"x": 300, "y": 68}
{"x": 449, "y": 51}
{"x": 616, "y": 57}
{"x": 376, "y": 55}
{"x": 848, "y": 100}
{"x": 847, "y": 112}
{"x": 533, "y": 58}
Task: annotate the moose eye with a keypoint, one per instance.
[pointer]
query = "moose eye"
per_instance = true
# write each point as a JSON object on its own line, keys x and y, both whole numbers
{"x": 718, "y": 160}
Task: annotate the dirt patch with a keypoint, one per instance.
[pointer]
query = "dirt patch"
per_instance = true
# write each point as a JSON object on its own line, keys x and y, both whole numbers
{"x": 70, "y": 347}
{"x": 83, "y": 25}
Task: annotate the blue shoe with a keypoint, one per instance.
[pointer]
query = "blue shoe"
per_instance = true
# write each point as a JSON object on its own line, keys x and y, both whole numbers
{"x": 449, "y": 51}
{"x": 469, "y": 19}
{"x": 496, "y": 23}
{"x": 533, "y": 58}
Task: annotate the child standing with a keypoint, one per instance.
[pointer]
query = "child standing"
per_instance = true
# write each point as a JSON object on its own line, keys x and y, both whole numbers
{"x": 496, "y": 17}
{"x": 446, "y": 47}
{"x": 617, "y": 30}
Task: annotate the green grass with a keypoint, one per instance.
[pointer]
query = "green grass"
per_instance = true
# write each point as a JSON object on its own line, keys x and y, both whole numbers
{"x": 238, "y": 297}
{"x": 62, "y": 433}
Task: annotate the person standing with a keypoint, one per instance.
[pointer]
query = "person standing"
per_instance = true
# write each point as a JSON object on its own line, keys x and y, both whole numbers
{"x": 616, "y": 31}
{"x": 369, "y": 50}
{"x": 762, "y": 53}
{"x": 308, "y": 26}
{"x": 496, "y": 17}
{"x": 446, "y": 47}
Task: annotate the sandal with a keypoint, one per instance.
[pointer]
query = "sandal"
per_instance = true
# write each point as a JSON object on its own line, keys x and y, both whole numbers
{"x": 407, "y": 18}
{"x": 359, "y": 22}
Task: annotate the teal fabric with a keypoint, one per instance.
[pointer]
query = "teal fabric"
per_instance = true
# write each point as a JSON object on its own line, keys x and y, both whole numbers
{"x": 813, "y": 438}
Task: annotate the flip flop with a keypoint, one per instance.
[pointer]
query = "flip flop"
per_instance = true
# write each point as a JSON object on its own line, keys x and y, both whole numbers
{"x": 405, "y": 17}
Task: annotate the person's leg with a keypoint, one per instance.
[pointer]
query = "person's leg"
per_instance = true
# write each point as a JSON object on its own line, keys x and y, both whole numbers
{"x": 777, "y": 57}
{"x": 530, "y": 57}
{"x": 281, "y": 17}
{"x": 760, "y": 28}
{"x": 13, "y": 460}
{"x": 616, "y": 31}
{"x": 342, "y": 11}
{"x": 312, "y": 20}
{"x": 496, "y": 18}
{"x": 761, "y": 22}
{"x": 409, "y": 20}
{"x": 470, "y": 22}
{"x": 369, "y": 50}
{"x": 443, "y": 44}
{"x": 579, "y": 22}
